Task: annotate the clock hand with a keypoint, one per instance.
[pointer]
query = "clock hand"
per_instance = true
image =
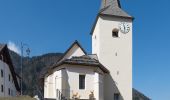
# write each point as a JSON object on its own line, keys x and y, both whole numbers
{"x": 124, "y": 27}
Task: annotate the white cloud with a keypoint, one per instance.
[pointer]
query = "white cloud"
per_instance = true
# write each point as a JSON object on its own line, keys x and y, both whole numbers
{"x": 12, "y": 46}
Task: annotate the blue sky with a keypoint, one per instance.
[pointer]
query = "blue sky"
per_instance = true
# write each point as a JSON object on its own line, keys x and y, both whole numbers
{"x": 52, "y": 25}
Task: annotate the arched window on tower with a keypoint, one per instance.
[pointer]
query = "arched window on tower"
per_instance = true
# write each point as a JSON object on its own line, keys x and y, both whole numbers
{"x": 115, "y": 33}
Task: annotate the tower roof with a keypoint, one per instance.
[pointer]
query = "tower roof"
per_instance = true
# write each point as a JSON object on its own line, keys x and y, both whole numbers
{"x": 112, "y": 7}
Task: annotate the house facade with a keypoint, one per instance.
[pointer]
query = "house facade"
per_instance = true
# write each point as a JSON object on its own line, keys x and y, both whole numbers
{"x": 9, "y": 81}
{"x": 106, "y": 74}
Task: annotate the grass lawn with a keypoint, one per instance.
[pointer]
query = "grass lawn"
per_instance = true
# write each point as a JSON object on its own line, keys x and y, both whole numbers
{"x": 17, "y": 98}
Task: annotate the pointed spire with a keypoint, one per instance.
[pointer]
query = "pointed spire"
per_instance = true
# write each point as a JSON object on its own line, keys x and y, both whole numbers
{"x": 112, "y": 7}
{"x": 113, "y": 3}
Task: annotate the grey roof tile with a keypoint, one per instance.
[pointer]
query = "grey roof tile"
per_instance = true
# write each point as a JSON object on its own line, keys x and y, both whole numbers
{"x": 87, "y": 60}
{"x": 94, "y": 56}
{"x": 82, "y": 60}
{"x": 112, "y": 7}
{"x": 114, "y": 3}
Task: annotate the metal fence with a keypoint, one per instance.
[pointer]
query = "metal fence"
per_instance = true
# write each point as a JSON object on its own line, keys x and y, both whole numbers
{"x": 65, "y": 94}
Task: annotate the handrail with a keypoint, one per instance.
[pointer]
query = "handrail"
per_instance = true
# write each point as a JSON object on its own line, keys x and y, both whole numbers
{"x": 66, "y": 94}
{"x": 60, "y": 96}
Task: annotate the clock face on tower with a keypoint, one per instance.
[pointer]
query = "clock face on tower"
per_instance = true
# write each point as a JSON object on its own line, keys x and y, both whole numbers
{"x": 124, "y": 27}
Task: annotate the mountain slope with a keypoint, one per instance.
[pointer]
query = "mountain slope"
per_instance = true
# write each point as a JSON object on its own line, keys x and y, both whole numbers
{"x": 31, "y": 69}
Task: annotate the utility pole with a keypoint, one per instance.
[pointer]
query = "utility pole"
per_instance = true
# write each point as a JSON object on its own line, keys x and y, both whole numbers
{"x": 28, "y": 52}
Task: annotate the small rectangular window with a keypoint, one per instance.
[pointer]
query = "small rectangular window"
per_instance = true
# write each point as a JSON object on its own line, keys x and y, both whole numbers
{"x": 115, "y": 34}
{"x": 116, "y": 96}
{"x": 81, "y": 81}
{"x": 2, "y": 74}
{"x": 9, "y": 77}
{"x": 2, "y": 88}
{"x": 9, "y": 91}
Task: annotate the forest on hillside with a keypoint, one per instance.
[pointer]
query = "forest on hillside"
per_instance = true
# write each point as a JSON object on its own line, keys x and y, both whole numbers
{"x": 32, "y": 67}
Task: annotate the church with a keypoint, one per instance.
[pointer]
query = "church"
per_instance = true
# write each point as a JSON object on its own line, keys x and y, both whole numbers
{"x": 106, "y": 74}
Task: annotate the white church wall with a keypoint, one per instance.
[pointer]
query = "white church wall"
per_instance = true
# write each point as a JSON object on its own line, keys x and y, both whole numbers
{"x": 116, "y": 55}
{"x": 8, "y": 85}
{"x": 73, "y": 73}
{"x": 48, "y": 86}
{"x": 52, "y": 82}
{"x": 75, "y": 51}
{"x": 96, "y": 39}
{"x": 98, "y": 86}
{"x": 67, "y": 82}
{"x": 58, "y": 81}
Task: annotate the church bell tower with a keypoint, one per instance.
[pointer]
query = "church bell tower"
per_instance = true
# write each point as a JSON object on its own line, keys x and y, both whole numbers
{"x": 112, "y": 42}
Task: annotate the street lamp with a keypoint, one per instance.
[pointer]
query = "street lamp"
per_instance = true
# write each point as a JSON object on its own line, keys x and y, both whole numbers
{"x": 28, "y": 52}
